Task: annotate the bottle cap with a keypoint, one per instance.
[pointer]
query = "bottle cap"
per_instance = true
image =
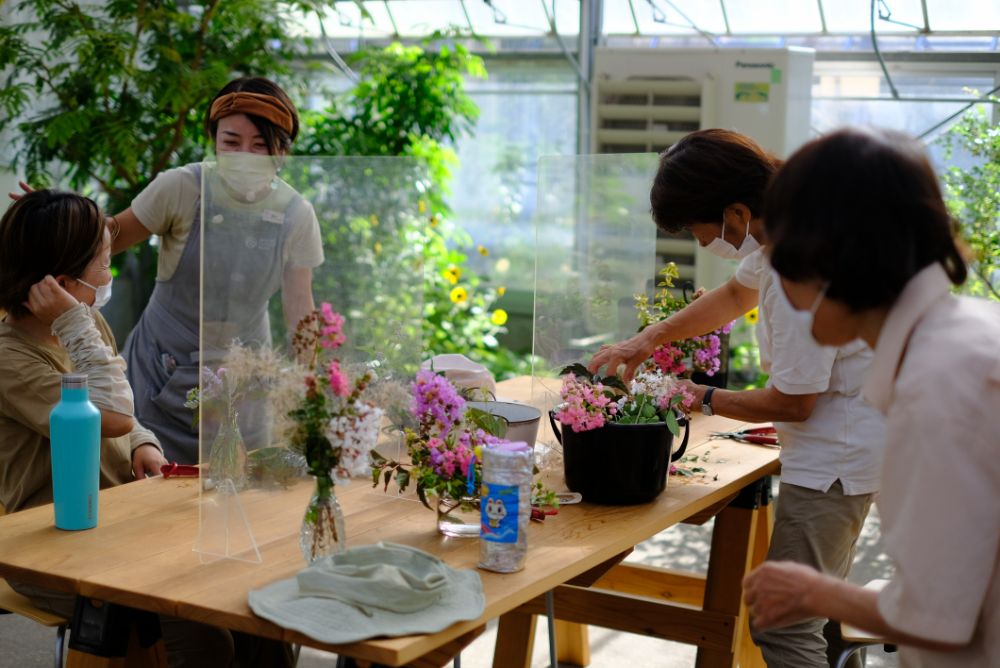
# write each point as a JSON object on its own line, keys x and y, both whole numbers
{"x": 74, "y": 381}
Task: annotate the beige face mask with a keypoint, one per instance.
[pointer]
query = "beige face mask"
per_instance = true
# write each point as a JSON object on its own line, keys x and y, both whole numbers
{"x": 251, "y": 175}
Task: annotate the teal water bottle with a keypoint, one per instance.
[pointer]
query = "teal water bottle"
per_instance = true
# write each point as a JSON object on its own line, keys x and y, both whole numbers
{"x": 75, "y": 437}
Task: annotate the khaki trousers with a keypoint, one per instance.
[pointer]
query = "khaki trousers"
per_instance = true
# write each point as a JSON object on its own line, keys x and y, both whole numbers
{"x": 819, "y": 529}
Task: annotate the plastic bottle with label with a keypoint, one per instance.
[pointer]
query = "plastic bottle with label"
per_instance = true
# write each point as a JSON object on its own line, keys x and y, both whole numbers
{"x": 75, "y": 438}
{"x": 505, "y": 505}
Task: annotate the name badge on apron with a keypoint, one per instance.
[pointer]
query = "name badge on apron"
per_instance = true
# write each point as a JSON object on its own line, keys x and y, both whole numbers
{"x": 273, "y": 217}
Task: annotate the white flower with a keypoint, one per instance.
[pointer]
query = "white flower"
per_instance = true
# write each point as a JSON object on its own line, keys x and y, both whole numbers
{"x": 357, "y": 435}
{"x": 653, "y": 383}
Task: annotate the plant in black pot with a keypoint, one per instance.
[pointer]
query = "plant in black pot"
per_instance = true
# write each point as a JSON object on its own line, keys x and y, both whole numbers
{"x": 618, "y": 440}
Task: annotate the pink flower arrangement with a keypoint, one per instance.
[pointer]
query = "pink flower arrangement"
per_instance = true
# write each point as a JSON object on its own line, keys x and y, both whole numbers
{"x": 445, "y": 445}
{"x": 586, "y": 405}
{"x": 590, "y": 402}
{"x": 680, "y": 358}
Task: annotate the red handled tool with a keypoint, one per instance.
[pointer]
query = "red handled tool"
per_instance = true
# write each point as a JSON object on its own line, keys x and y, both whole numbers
{"x": 538, "y": 514}
{"x": 175, "y": 470}
{"x": 766, "y": 436}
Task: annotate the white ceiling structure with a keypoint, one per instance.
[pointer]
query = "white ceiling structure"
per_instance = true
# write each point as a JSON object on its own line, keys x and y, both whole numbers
{"x": 922, "y": 24}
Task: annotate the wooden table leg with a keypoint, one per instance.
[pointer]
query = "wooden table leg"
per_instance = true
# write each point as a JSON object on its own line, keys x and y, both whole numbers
{"x": 572, "y": 643}
{"x": 749, "y": 654}
{"x": 572, "y": 639}
{"x": 515, "y": 640}
{"x": 734, "y": 543}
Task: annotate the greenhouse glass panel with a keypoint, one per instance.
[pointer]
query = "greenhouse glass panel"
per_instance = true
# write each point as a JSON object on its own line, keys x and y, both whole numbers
{"x": 348, "y": 231}
{"x": 596, "y": 251}
{"x": 423, "y": 17}
{"x": 774, "y": 17}
{"x": 855, "y": 17}
{"x": 963, "y": 15}
{"x": 660, "y": 18}
{"x": 507, "y": 17}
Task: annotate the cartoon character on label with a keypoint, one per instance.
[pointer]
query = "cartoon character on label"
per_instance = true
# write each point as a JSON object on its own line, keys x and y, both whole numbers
{"x": 495, "y": 511}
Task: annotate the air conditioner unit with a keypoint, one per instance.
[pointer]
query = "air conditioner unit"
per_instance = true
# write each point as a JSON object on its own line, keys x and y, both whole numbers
{"x": 646, "y": 99}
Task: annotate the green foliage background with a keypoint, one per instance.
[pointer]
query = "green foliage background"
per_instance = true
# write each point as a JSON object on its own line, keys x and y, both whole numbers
{"x": 973, "y": 195}
{"x": 103, "y": 97}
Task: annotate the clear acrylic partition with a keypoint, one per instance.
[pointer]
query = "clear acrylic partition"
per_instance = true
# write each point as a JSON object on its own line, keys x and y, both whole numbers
{"x": 354, "y": 221}
{"x": 596, "y": 250}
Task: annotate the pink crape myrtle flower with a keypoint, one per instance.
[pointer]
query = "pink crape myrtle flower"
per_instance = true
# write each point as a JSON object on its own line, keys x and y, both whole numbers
{"x": 333, "y": 327}
{"x": 338, "y": 381}
{"x": 586, "y": 406}
{"x": 669, "y": 359}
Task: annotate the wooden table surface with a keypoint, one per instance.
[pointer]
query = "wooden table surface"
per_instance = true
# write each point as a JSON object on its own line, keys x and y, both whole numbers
{"x": 141, "y": 555}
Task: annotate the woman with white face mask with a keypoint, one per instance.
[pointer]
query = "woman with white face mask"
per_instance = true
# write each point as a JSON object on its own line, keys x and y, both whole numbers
{"x": 269, "y": 242}
{"x": 864, "y": 245}
{"x": 712, "y": 183}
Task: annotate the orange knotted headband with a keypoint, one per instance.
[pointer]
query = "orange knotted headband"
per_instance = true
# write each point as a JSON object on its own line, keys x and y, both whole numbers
{"x": 258, "y": 104}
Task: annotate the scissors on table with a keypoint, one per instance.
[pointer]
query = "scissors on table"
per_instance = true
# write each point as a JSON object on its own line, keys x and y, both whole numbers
{"x": 766, "y": 436}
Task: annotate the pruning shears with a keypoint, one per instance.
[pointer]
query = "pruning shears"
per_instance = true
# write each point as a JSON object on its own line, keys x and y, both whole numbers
{"x": 766, "y": 436}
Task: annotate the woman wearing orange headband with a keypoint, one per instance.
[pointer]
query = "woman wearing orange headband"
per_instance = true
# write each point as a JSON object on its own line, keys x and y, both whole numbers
{"x": 252, "y": 123}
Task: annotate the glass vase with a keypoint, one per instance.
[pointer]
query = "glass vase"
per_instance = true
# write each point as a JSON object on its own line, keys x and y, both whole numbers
{"x": 227, "y": 461}
{"x": 458, "y": 518}
{"x": 322, "y": 532}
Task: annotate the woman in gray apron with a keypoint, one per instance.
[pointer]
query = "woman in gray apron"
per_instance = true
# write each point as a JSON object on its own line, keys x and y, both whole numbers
{"x": 260, "y": 237}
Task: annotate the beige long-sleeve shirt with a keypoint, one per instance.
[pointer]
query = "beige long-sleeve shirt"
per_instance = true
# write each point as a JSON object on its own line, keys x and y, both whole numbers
{"x": 30, "y": 381}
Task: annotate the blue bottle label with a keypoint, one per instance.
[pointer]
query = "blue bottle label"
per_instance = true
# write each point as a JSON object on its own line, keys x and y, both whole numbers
{"x": 499, "y": 513}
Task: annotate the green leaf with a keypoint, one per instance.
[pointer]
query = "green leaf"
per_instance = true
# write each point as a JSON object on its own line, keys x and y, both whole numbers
{"x": 491, "y": 424}
{"x": 578, "y": 370}
{"x": 672, "y": 424}
{"x": 613, "y": 381}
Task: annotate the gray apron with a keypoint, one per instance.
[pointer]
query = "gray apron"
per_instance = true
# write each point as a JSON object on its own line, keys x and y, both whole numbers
{"x": 163, "y": 351}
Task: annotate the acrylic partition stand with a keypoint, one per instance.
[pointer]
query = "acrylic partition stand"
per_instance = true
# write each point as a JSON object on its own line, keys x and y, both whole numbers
{"x": 596, "y": 248}
{"x": 261, "y": 217}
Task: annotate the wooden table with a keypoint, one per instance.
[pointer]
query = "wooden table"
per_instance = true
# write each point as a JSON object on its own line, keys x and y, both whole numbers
{"x": 141, "y": 556}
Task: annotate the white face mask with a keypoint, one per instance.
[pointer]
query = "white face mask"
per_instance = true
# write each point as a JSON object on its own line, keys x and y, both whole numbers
{"x": 803, "y": 320}
{"x": 251, "y": 175}
{"x": 102, "y": 294}
{"x": 722, "y": 248}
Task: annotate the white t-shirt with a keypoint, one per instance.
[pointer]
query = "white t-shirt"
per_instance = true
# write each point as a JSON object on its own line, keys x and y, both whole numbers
{"x": 167, "y": 207}
{"x": 940, "y": 497}
{"x": 844, "y": 437}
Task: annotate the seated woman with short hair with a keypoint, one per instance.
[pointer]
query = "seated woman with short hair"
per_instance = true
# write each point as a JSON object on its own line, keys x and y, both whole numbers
{"x": 864, "y": 245}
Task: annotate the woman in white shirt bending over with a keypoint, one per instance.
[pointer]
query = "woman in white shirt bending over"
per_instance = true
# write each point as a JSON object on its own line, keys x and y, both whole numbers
{"x": 863, "y": 242}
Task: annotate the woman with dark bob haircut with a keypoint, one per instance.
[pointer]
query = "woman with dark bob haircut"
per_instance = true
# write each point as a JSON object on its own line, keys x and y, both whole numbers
{"x": 864, "y": 245}
{"x": 712, "y": 183}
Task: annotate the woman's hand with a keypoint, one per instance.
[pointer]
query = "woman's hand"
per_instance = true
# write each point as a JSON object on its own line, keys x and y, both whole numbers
{"x": 695, "y": 390}
{"x": 781, "y": 593}
{"x": 146, "y": 461}
{"x": 25, "y": 187}
{"x": 48, "y": 300}
{"x": 631, "y": 353}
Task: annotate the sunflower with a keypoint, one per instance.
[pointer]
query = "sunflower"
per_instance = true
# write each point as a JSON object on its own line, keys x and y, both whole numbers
{"x": 483, "y": 250}
{"x": 459, "y": 295}
{"x": 501, "y": 291}
{"x": 452, "y": 274}
{"x": 499, "y": 317}
{"x": 752, "y": 316}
